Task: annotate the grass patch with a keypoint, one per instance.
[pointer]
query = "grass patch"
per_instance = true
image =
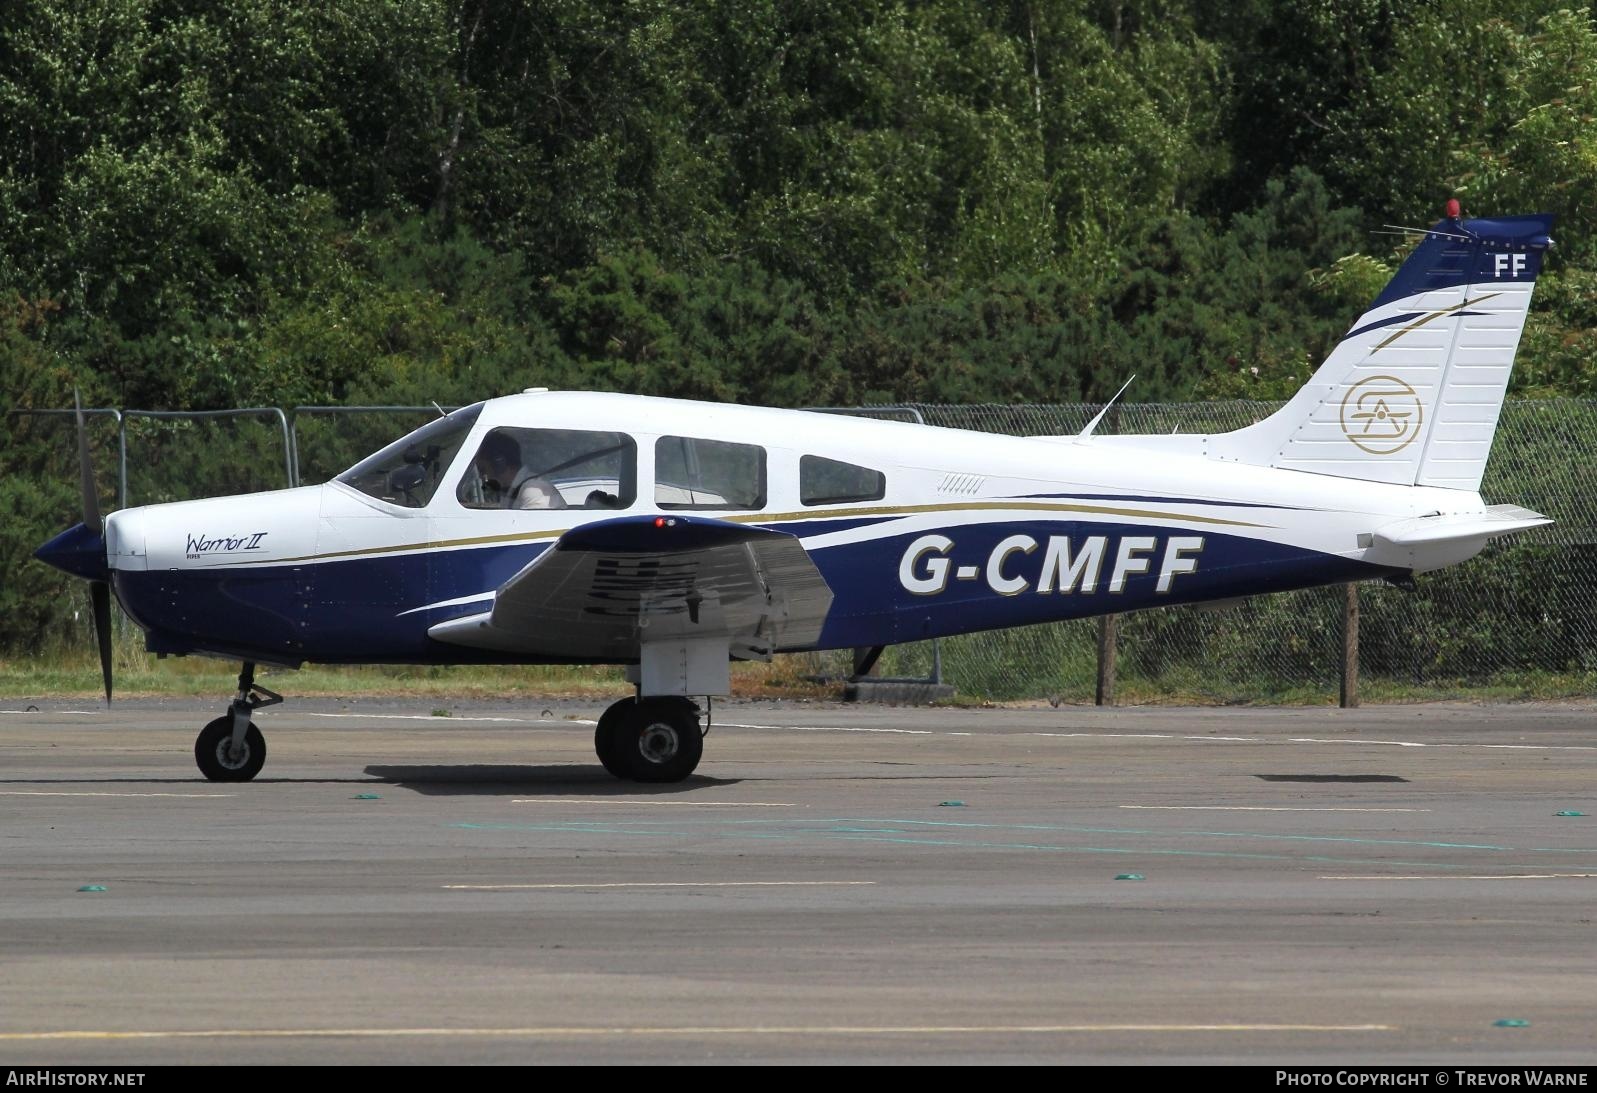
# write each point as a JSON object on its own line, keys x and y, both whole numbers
{"x": 140, "y": 675}
{"x": 76, "y": 674}
{"x": 1502, "y": 687}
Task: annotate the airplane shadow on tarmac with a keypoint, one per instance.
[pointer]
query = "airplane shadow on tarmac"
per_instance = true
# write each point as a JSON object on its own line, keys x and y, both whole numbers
{"x": 550, "y": 781}
{"x": 439, "y": 781}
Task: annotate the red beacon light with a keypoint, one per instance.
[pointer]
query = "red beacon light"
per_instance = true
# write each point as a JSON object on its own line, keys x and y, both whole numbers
{"x": 1453, "y": 210}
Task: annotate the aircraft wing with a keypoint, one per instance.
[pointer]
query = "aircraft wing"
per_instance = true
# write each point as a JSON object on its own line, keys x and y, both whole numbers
{"x": 604, "y": 588}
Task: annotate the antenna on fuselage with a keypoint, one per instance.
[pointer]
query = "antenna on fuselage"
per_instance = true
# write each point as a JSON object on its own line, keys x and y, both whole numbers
{"x": 1093, "y": 424}
{"x": 437, "y": 407}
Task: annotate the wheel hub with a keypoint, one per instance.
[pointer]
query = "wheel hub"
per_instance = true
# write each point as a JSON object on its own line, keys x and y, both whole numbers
{"x": 658, "y": 743}
{"x": 233, "y": 758}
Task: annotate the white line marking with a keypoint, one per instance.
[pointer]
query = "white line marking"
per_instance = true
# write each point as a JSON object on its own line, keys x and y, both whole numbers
{"x": 687, "y": 1030}
{"x": 458, "y": 717}
{"x": 1104, "y": 735}
{"x": 75, "y": 793}
{"x": 1265, "y": 808}
{"x": 456, "y": 602}
{"x": 635, "y": 801}
{"x": 668, "y": 884}
{"x": 1491, "y": 876}
{"x": 484, "y": 719}
{"x": 830, "y": 728}
{"x": 1415, "y": 744}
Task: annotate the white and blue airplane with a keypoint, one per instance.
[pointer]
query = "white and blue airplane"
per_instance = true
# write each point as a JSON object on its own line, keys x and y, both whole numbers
{"x": 675, "y": 537}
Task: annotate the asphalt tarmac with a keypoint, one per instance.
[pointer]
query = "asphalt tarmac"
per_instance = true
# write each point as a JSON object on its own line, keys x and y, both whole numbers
{"x": 836, "y": 884}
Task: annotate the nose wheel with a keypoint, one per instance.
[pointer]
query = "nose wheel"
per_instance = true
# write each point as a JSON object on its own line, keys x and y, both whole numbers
{"x": 220, "y": 761}
{"x": 231, "y": 748}
{"x": 655, "y": 739}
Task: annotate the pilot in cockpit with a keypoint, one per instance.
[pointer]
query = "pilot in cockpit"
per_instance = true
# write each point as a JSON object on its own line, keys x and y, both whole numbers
{"x": 502, "y": 480}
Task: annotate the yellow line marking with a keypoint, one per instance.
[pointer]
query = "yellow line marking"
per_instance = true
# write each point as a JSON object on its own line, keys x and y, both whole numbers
{"x": 646, "y": 1030}
{"x": 668, "y": 884}
{"x": 1265, "y": 808}
{"x": 65, "y": 793}
{"x": 781, "y": 517}
{"x": 1483, "y": 876}
{"x": 987, "y": 506}
{"x": 634, "y": 801}
{"x": 479, "y": 540}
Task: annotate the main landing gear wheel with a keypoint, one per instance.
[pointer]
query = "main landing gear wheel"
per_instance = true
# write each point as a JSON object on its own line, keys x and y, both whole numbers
{"x": 220, "y": 761}
{"x": 650, "y": 739}
{"x": 606, "y": 744}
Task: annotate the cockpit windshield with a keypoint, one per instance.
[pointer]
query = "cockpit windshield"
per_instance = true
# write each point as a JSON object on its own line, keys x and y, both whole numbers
{"x": 407, "y": 472}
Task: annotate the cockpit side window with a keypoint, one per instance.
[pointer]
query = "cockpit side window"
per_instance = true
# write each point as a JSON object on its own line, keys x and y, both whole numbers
{"x": 407, "y": 472}
{"x": 708, "y": 474}
{"x": 832, "y": 482}
{"x": 551, "y": 469}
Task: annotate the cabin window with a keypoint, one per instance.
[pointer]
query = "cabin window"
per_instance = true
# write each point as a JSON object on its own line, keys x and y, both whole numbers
{"x": 708, "y": 474}
{"x": 407, "y": 472}
{"x": 551, "y": 469}
{"x": 831, "y": 482}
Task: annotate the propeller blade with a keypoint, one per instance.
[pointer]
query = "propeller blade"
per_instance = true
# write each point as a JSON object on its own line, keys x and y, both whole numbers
{"x": 99, "y": 591}
{"x": 100, "y": 594}
{"x": 91, "y": 495}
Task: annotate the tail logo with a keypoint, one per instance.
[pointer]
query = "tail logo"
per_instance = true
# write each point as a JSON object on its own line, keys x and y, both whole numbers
{"x": 1382, "y": 415}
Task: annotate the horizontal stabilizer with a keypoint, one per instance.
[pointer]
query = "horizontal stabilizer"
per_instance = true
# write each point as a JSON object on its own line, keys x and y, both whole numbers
{"x": 1496, "y": 520}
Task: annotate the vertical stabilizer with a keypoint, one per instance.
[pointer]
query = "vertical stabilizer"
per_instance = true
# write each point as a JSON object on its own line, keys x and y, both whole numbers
{"x": 1412, "y": 393}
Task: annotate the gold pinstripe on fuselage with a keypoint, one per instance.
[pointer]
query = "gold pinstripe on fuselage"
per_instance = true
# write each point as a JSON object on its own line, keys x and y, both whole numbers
{"x": 779, "y": 518}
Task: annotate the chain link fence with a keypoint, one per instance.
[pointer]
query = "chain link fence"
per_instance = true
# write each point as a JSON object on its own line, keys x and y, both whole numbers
{"x": 1527, "y": 604}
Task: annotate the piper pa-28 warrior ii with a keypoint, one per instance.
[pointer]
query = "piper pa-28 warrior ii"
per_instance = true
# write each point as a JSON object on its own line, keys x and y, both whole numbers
{"x": 674, "y": 537}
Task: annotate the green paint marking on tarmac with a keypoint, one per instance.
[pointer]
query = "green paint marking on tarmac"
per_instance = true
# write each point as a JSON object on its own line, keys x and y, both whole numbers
{"x": 926, "y": 840}
{"x": 886, "y": 824}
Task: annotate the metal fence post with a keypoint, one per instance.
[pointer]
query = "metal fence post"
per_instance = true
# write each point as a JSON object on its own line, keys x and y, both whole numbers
{"x": 1350, "y": 648}
{"x": 1107, "y": 627}
{"x": 290, "y": 471}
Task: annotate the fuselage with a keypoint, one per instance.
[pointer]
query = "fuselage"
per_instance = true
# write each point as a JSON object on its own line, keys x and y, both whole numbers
{"x": 943, "y": 532}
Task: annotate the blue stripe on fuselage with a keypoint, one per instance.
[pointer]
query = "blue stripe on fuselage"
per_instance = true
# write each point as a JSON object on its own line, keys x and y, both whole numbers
{"x": 353, "y": 610}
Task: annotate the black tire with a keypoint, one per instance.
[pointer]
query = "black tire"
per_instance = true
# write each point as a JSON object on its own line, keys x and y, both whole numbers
{"x": 605, "y": 742}
{"x": 210, "y": 752}
{"x": 659, "y": 739}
